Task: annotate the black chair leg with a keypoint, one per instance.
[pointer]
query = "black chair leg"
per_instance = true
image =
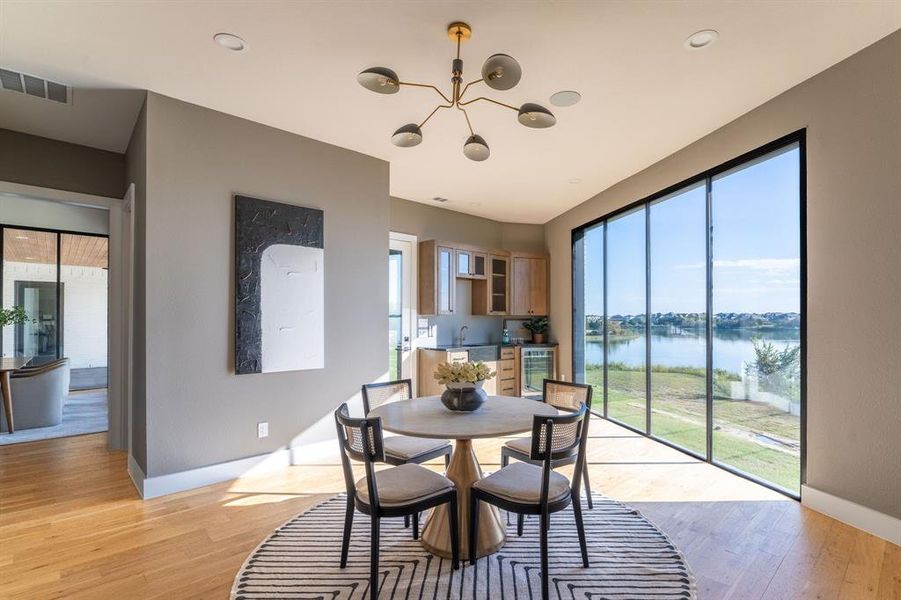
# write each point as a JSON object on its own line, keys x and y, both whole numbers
{"x": 454, "y": 532}
{"x": 446, "y": 461}
{"x": 348, "y": 525}
{"x": 416, "y": 526}
{"x": 587, "y": 484}
{"x": 505, "y": 460}
{"x": 520, "y": 519}
{"x": 374, "y": 560}
{"x": 544, "y": 531}
{"x": 577, "y": 511}
{"x": 473, "y": 526}
{"x": 406, "y": 520}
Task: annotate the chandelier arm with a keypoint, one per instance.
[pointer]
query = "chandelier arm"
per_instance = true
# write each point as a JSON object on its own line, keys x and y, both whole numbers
{"x": 466, "y": 87}
{"x": 437, "y": 108}
{"x": 489, "y": 100}
{"x": 465, "y": 114}
{"x": 426, "y": 85}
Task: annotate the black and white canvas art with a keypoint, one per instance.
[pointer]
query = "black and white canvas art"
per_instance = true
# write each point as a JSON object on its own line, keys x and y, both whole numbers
{"x": 279, "y": 287}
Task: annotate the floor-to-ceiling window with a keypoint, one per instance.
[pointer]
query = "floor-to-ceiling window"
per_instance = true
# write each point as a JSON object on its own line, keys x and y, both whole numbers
{"x": 60, "y": 280}
{"x": 688, "y": 311}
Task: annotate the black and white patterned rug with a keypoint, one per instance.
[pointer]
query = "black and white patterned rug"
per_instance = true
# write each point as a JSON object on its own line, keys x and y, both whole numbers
{"x": 630, "y": 559}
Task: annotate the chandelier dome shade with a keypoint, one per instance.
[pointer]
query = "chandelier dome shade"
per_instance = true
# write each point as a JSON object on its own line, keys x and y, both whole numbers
{"x": 407, "y": 136}
{"x": 536, "y": 116}
{"x": 501, "y": 72}
{"x": 476, "y": 148}
{"x": 380, "y": 80}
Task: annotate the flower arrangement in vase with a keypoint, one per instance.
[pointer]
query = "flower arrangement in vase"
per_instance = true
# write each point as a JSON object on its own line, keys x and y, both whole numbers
{"x": 464, "y": 382}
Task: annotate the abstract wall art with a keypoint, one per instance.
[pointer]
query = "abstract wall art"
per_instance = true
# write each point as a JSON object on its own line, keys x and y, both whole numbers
{"x": 279, "y": 287}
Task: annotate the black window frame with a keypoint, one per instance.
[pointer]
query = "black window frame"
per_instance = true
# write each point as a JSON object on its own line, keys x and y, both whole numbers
{"x": 798, "y": 137}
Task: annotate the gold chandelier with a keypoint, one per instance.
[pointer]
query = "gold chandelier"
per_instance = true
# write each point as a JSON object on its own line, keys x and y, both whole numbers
{"x": 500, "y": 72}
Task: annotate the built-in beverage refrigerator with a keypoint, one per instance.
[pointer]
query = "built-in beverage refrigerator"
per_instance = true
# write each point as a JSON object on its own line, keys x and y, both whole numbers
{"x": 538, "y": 363}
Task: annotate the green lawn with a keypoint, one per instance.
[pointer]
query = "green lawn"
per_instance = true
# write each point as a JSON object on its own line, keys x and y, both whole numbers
{"x": 679, "y": 417}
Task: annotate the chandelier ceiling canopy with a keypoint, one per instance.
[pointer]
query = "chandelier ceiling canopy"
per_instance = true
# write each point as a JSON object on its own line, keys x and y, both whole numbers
{"x": 500, "y": 72}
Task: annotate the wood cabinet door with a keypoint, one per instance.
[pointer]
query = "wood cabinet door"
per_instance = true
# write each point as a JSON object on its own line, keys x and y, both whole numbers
{"x": 538, "y": 286}
{"x": 520, "y": 301}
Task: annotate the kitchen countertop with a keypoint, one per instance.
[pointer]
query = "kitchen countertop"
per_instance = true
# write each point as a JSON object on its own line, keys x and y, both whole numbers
{"x": 502, "y": 345}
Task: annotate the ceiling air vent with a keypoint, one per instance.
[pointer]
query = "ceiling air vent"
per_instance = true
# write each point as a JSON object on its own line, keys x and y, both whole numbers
{"x": 35, "y": 86}
{"x": 439, "y": 199}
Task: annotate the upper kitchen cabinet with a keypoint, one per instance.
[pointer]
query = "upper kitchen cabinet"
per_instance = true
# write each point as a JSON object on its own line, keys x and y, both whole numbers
{"x": 437, "y": 279}
{"x": 491, "y": 296}
{"x": 471, "y": 264}
{"x": 528, "y": 285}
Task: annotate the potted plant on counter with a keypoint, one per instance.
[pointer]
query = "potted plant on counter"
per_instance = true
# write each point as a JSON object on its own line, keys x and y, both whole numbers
{"x": 464, "y": 382}
{"x": 538, "y": 326}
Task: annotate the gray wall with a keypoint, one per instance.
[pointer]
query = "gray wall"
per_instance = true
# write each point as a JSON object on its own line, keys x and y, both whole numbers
{"x": 33, "y": 160}
{"x": 136, "y": 169}
{"x": 17, "y": 210}
{"x": 436, "y": 223}
{"x": 197, "y": 411}
{"x": 852, "y": 113}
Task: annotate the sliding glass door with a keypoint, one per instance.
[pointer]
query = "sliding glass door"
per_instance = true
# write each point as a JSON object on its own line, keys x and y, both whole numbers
{"x": 688, "y": 315}
{"x": 626, "y": 335}
{"x": 756, "y": 316}
{"x": 678, "y": 296}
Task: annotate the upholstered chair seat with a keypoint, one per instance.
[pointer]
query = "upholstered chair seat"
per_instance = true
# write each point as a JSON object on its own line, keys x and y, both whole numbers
{"x": 521, "y": 482}
{"x": 402, "y": 448}
{"x": 405, "y": 484}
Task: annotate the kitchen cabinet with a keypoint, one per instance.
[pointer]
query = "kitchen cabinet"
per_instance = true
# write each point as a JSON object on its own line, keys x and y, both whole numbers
{"x": 529, "y": 287}
{"x": 491, "y": 296}
{"x": 437, "y": 279}
{"x": 471, "y": 264}
{"x": 429, "y": 358}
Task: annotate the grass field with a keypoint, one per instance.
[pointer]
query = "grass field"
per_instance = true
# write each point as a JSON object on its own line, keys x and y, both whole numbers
{"x": 751, "y": 436}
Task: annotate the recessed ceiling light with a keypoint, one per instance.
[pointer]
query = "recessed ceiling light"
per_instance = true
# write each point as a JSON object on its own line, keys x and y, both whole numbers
{"x": 701, "y": 39}
{"x": 575, "y": 180}
{"x": 230, "y": 41}
{"x": 566, "y": 98}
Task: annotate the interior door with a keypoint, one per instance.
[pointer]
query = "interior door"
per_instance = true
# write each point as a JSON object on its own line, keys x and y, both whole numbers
{"x": 401, "y": 306}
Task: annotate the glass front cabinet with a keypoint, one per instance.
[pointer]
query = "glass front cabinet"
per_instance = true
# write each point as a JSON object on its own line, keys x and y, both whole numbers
{"x": 471, "y": 264}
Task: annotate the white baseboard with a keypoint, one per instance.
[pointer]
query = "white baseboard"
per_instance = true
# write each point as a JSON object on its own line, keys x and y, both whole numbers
{"x": 136, "y": 474}
{"x": 160, "y": 485}
{"x": 872, "y": 521}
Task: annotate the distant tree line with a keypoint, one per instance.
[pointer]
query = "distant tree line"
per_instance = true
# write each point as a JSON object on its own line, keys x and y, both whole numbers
{"x": 630, "y": 324}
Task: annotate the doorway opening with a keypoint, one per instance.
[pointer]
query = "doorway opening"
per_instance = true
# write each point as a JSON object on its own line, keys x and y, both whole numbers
{"x": 401, "y": 306}
{"x": 58, "y": 281}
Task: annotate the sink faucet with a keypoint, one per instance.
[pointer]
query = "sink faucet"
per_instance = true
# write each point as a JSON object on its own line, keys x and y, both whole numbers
{"x": 463, "y": 331}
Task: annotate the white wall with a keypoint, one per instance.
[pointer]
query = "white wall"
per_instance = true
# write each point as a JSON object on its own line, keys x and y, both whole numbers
{"x": 29, "y": 212}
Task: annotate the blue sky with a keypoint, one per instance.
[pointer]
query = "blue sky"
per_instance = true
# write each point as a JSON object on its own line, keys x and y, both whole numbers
{"x": 756, "y": 246}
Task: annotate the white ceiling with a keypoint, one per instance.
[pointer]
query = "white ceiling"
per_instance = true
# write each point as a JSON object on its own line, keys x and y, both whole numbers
{"x": 644, "y": 95}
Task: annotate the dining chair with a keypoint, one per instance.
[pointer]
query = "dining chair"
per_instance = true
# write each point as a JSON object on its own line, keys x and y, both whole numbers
{"x": 562, "y": 395}
{"x": 402, "y": 490}
{"x": 527, "y": 489}
{"x": 402, "y": 449}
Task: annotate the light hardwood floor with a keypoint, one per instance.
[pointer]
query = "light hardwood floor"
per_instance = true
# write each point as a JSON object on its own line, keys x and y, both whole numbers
{"x": 72, "y": 526}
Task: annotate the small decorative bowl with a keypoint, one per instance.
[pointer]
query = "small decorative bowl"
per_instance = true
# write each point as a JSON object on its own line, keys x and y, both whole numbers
{"x": 464, "y": 397}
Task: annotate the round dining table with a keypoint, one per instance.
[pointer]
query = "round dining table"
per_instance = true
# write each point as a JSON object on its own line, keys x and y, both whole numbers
{"x": 427, "y": 417}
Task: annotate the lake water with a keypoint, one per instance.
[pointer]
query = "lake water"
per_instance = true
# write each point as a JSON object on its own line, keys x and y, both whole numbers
{"x": 688, "y": 349}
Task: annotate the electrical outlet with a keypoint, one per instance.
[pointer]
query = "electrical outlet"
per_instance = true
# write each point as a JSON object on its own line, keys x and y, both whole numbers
{"x": 263, "y": 429}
